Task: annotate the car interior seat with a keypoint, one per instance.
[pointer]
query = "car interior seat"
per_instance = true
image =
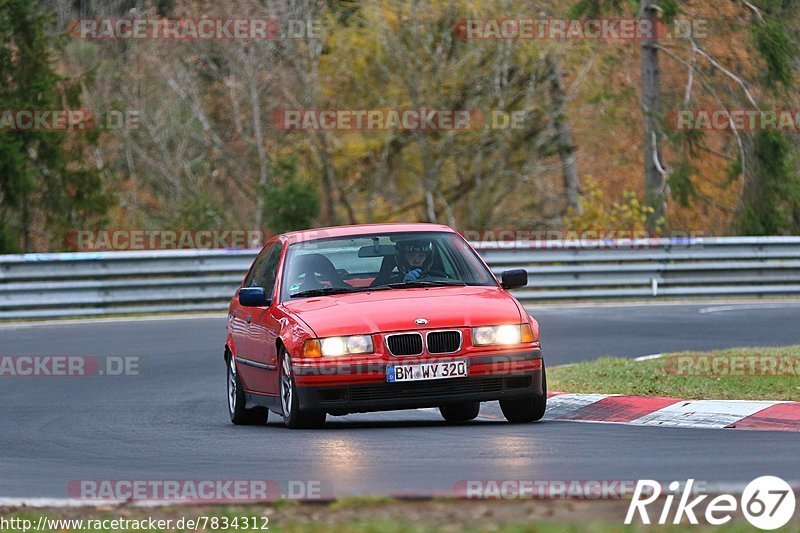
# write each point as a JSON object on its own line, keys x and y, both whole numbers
{"x": 316, "y": 272}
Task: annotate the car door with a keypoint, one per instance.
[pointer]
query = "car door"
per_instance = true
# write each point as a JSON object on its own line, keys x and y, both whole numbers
{"x": 241, "y": 321}
{"x": 265, "y": 327}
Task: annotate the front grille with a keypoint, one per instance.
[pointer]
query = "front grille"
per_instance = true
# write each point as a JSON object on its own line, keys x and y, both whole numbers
{"x": 420, "y": 389}
{"x": 444, "y": 341}
{"x": 405, "y": 344}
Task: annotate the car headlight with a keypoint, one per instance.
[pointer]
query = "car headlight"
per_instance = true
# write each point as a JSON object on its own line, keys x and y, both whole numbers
{"x": 336, "y": 346}
{"x": 503, "y": 335}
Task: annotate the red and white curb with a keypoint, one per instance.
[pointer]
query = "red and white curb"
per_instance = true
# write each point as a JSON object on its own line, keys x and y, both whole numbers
{"x": 674, "y": 412}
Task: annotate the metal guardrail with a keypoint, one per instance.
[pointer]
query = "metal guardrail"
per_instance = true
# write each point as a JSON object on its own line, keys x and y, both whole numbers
{"x": 84, "y": 284}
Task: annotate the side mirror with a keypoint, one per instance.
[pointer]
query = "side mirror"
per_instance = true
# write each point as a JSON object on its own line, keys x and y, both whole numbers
{"x": 253, "y": 297}
{"x": 512, "y": 279}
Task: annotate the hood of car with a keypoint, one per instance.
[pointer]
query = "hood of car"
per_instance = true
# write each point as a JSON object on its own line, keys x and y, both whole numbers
{"x": 397, "y": 310}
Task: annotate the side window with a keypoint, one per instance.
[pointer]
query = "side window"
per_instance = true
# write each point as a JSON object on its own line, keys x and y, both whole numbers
{"x": 258, "y": 266}
{"x": 266, "y": 278}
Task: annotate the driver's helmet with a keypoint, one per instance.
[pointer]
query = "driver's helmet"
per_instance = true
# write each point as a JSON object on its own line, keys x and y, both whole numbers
{"x": 414, "y": 253}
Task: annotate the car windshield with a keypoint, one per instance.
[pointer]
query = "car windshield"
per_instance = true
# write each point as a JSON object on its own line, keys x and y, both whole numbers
{"x": 393, "y": 261}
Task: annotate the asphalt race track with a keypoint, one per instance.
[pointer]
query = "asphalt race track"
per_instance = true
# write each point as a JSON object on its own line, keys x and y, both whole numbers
{"x": 171, "y": 421}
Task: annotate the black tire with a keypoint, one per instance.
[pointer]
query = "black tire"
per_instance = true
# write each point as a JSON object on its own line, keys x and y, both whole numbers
{"x": 460, "y": 412}
{"x": 527, "y": 409}
{"x": 241, "y": 416}
{"x": 293, "y": 417}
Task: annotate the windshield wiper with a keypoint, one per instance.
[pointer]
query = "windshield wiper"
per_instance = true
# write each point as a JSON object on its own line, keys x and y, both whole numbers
{"x": 338, "y": 290}
{"x": 425, "y": 283}
{"x": 322, "y": 291}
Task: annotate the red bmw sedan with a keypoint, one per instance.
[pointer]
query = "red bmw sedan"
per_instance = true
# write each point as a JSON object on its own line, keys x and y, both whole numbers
{"x": 367, "y": 318}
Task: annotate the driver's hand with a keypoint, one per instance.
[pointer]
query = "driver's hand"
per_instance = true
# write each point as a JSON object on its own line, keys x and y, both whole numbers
{"x": 412, "y": 275}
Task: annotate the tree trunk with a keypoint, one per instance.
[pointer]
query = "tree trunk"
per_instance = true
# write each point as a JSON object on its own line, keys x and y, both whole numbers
{"x": 654, "y": 182}
{"x": 263, "y": 163}
{"x": 26, "y": 225}
{"x": 565, "y": 145}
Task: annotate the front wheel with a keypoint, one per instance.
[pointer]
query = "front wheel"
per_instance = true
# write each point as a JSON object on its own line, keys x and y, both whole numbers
{"x": 460, "y": 412}
{"x": 526, "y": 409}
{"x": 293, "y": 416}
{"x": 240, "y": 415}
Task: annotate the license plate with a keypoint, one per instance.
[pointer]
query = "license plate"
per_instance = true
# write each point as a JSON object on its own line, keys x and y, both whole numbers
{"x": 426, "y": 371}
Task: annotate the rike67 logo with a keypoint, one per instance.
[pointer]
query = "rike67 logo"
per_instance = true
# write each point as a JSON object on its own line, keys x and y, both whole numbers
{"x": 767, "y": 503}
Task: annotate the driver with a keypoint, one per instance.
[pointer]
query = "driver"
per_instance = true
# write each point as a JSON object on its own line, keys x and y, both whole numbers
{"x": 414, "y": 258}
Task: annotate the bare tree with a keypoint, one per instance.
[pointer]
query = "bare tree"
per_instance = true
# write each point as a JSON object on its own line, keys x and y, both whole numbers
{"x": 655, "y": 174}
{"x": 565, "y": 145}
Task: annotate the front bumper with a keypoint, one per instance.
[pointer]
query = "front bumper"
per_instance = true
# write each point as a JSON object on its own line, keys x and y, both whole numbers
{"x": 491, "y": 377}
